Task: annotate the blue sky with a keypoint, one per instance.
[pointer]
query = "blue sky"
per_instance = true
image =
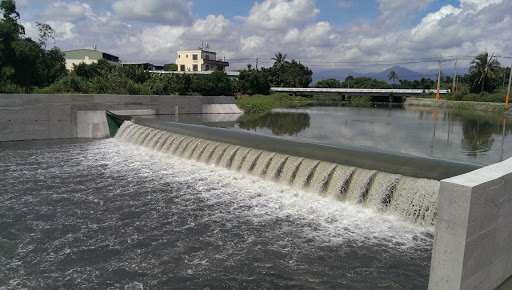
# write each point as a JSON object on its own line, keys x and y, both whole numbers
{"x": 364, "y": 35}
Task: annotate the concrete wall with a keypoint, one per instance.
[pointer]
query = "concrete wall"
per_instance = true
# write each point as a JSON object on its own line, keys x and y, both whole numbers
{"x": 24, "y": 117}
{"x": 473, "y": 231}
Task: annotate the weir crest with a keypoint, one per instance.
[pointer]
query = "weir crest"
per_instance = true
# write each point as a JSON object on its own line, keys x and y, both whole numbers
{"x": 409, "y": 198}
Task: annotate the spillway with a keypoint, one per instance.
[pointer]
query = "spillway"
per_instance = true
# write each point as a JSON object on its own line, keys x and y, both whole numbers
{"x": 412, "y": 199}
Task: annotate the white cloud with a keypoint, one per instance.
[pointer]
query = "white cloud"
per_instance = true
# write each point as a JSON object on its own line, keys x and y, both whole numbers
{"x": 279, "y": 15}
{"x": 170, "y": 12}
{"x": 162, "y": 42}
{"x": 396, "y": 11}
{"x": 62, "y": 11}
{"x": 211, "y": 28}
{"x": 286, "y": 26}
{"x": 345, "y": 3}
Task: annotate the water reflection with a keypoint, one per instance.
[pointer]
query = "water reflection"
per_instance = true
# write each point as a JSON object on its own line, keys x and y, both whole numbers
{"x": 279, "y": 123}
{"x": 464, "y": 136}
{"x": 480, "y": 132}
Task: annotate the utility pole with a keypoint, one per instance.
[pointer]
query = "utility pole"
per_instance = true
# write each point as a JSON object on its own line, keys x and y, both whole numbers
{"x": 257, "y": 58}
{"x": 454, "y": 74}
{"x": 508, "y": 90}
{"x": 439, "y": 77}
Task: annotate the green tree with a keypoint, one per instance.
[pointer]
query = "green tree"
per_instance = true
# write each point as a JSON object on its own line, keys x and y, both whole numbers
{"x": 393, "y": 76}
{"x": 252, "y": 82}
{"x": 482, "y": 69}
{"x": 25, "y": 63}
{"x": 329, "y": 83}
{"x": 170, "y": 67}
{"x": 279, "y": 62}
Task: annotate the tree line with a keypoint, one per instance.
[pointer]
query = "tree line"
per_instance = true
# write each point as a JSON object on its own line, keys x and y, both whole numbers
{"x": 28, "y": 66}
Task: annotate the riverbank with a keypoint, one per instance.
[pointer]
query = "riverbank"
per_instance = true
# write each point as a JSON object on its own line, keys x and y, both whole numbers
{"x": 460, "y": 105}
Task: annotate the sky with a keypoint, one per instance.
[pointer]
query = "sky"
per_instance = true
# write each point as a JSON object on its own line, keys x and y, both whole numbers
{"x": 362, "y": 35}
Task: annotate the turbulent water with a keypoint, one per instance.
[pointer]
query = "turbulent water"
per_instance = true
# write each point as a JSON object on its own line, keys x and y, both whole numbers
{"x": 412, "y": 199}
{"x": 111, "y": 215}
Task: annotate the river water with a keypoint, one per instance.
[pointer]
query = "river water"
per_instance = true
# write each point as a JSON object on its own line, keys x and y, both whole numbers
{"x": 462, "y": 136}
{"x": 106, "y": 214}
{"x": 110, "y": 215}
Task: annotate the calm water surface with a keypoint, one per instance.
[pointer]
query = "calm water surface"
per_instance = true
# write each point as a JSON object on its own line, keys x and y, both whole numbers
{"x": 108, "y": 215}
{"x": 469, "y": 137}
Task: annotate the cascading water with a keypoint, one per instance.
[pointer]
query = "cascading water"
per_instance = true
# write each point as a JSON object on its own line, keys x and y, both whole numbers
{"x": 412, "y": 199}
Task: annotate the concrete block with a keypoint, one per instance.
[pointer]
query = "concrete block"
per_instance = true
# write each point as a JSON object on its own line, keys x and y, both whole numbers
{"x": 61, "y": 113}
{"x": 133, "y": 99}
{"x": 36, "y": 113}
{"x": 105, "y": 99}
{"x": 447, "y": 256}
{"x": 11, "y": 127}
{"x": 36, "y": 130}
{"x": 81, "y": 99}
{"x": 506, "y": 205}
{"x": 454, "y": 203}
{"x": 29, "y": 100}
{"x": 479, "y": 255}
{"x": 221, "y": 109}
{"x": 10, "y": 116}
{"x": 9, "y": 101}
{"x": 485, "y": 210}
{"x": 486, "y": 244}
{"x": 60, "y": 129}
{"x": 11, "y": 136}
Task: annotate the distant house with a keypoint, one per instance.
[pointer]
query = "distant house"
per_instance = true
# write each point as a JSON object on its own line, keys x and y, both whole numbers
{"x": 199, "y": 60}
{"x": 88, "y": 56}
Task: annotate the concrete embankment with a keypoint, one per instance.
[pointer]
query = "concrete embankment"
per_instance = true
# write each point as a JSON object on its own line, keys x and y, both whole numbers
{"x": 460, "y": 105}
{"x": 25, "y": 117}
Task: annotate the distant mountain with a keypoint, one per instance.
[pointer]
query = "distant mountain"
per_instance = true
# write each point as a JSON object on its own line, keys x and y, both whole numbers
{"x": 402, "y": 72}
{"x": 340, "y": 74}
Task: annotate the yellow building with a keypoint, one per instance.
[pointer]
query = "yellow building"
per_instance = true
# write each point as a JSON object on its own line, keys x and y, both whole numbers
{"x": 199, "y": 60}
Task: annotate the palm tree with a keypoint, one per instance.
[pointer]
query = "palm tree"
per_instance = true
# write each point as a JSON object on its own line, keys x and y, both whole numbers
{"x": 484, "y": 67}
{"x": 279, "y": 60}
{"x": 393, "y": 76}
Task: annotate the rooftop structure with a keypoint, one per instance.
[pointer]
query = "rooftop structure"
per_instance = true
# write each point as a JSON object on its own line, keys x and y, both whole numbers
{"x": 199, "y": 60}
{"x": 88, "y": 56}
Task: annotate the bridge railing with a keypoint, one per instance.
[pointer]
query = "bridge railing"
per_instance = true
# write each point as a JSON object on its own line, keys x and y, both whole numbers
{"x": 347, "y": 91}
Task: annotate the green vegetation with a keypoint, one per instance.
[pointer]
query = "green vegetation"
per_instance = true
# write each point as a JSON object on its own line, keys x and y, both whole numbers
{"x": 103, "y": 78}
{"x": 261, "y": 104}
{"x": 288, "y": 74}
{"x": 279, "y": 123}
{"x": 482, "y": 69}
{"x": 25, "y": 63}
{"x": 329, "y": 83}
{"x": 27, "y": 66}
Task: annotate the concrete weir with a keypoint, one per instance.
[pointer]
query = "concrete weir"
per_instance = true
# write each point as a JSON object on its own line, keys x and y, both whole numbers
{"x": 473, "y": 227}
{"x": 473, "y": 230}
{"x": 25, "y": 117}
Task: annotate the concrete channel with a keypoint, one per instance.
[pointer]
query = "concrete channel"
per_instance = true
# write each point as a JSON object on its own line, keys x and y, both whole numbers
{"x": 473, "y": 229}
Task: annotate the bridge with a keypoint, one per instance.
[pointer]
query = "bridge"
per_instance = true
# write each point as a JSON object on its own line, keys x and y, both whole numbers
{"x": 355, "y": 92}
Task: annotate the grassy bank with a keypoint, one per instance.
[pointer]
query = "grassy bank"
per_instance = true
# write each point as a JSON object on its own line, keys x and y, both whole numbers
{"x": 258, "y": 104}
{"x": 461, "y": 105}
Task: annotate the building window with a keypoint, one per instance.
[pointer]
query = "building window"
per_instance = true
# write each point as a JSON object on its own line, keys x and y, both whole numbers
{"x": 207, "y": 67}
{"x": 194, "y": 57}
{"x": 186, "y": 56}
{"x": 194, "y": 67}
{"x": 207, "y": 56}
{"x": 179, "y": 55}
{"x": 182, "y": 68}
